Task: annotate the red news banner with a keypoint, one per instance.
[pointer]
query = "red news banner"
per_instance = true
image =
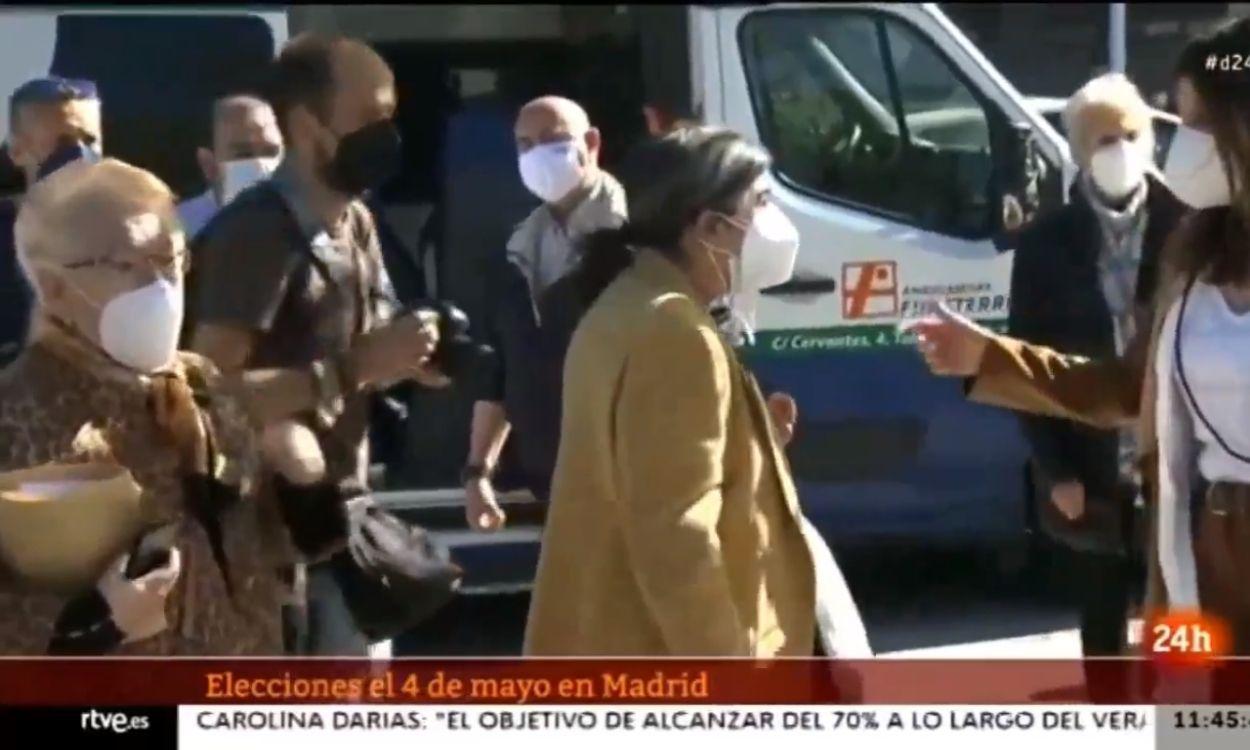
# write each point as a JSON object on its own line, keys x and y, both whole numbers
{"x": 64, "y": 682}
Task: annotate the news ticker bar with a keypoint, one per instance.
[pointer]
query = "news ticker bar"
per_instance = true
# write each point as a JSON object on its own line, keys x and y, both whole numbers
{"x": 173, "y": 682}
{"x": 250, "y": 727}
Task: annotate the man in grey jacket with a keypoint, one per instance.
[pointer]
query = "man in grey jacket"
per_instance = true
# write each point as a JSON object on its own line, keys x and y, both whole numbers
{"x": 558, "y": 157}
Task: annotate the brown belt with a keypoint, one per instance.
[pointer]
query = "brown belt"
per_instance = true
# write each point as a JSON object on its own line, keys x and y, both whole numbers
{"x": 1224, "y": 498}
{"x": 1222, "y": 554}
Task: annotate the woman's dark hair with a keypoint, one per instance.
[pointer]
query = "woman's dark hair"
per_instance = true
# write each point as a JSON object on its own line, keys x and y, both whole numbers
{"x": 669, "y": 181}
{"x": 1189, "y": 64}
{"x": 1215, "y": 243}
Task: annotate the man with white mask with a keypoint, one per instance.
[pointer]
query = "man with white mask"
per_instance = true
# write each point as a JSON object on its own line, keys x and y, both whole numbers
{"x": 1083, "y": 282}
{"x": 54, "y": 121}
{"x": 246, "y": 147}
{"x": 558, "y": 160}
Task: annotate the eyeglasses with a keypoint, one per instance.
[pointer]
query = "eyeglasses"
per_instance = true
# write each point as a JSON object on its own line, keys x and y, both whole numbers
{"x": 168, "y": 266}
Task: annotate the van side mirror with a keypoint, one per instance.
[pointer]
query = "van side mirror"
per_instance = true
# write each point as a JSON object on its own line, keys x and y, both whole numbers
{"x": 1019, "y": 171}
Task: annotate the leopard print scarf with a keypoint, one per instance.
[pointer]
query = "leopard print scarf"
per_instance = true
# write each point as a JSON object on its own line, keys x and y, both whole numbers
{"x": 178, "y": 405}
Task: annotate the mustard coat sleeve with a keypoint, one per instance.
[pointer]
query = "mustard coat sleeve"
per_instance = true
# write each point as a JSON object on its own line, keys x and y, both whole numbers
{"x": 670, "y": 433}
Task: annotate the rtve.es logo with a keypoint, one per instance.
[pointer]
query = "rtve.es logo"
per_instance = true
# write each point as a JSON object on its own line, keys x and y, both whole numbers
{"x": 870, "y": 289}
{"x": 117, "y": 723}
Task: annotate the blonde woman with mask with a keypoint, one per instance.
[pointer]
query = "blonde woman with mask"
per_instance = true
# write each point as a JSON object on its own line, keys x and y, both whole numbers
{"x": 1083, "y": 280}
{"x": 101, "y": 381}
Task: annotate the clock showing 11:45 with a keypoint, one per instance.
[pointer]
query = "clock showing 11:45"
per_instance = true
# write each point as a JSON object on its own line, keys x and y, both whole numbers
{"x": 1226, "y": 719}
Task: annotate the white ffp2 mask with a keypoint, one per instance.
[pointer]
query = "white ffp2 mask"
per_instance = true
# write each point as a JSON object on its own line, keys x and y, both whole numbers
{"x": 140, "y": 328}
{"x": 1193, "y": 170}
{"x": 551, "y": 170}
{"x": 239, "y": 174}
{"x": 1119, "y": 168}
{"x": 769, "y": 250}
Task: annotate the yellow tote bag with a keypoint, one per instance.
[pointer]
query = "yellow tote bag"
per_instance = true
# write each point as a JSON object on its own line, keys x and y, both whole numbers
{"x": 62, "y": 524}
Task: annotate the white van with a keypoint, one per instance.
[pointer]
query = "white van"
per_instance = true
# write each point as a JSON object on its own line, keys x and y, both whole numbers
{"x": 898, "y": 148}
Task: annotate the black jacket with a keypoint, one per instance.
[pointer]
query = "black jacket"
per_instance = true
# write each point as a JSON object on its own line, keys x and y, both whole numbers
{"x": 15, "y": 293}
{"x": 1057, "y": 300}
{"x": 530, "y": 338}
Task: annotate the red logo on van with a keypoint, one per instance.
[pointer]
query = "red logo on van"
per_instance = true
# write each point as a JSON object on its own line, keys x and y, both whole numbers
{"x": 870, "y": 289}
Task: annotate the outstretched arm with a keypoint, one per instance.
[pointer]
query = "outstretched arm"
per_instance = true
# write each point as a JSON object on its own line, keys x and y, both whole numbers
{"x": 1103, "y": 392}
{"x": 1014, "y": 374}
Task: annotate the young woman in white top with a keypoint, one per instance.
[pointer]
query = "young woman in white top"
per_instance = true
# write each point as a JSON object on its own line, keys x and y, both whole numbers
{"x": 1202, "y": 364}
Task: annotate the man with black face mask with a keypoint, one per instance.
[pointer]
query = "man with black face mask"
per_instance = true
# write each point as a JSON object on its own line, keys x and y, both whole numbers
{"x": 290, "y": 276}
{"x": 52, "y": 121}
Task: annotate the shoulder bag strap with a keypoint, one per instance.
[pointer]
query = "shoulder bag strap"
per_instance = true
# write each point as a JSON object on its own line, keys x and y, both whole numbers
{"x": 1180, "y": 371}
{"x": 359, "y": 295}
{"x": 306, "y": 246}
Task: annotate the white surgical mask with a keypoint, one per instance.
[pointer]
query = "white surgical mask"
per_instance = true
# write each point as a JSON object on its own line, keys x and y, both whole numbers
{"x": 551, "y": 170}
{"x": 1193, "y": 170}
{"x": 1119, "y": 168}
{"x": 239, "y": 174}
{"x": 140, "y": 328}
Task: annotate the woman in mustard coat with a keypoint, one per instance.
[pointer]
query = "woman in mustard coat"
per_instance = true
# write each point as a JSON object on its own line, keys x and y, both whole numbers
{"x": 674, "y": 526}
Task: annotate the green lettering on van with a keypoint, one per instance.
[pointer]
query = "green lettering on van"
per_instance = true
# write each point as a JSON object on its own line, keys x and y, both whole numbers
{"x": 812, "y": 341}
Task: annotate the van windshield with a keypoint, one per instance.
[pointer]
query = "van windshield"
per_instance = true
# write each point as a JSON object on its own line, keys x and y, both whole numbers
{"x": 860, "y": 107}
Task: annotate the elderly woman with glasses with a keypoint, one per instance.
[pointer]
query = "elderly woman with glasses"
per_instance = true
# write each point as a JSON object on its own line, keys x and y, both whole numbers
{"x": 101, "y": 380}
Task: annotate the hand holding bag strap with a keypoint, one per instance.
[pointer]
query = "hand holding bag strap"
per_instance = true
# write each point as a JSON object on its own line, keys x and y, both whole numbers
{"x": 1180, "y": 371}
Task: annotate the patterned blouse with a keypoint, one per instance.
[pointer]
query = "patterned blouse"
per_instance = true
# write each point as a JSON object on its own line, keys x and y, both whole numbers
{"x": 63, "y": 402}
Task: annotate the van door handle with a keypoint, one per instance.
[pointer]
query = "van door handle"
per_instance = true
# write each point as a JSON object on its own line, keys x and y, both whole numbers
{"x": 813, "y": 284}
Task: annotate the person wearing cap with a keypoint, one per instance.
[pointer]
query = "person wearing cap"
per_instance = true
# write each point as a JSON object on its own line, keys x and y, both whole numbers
{"x": 101, "y": 246}
{"x": 51, "y": 121}
{"x": 246, "y": 147}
